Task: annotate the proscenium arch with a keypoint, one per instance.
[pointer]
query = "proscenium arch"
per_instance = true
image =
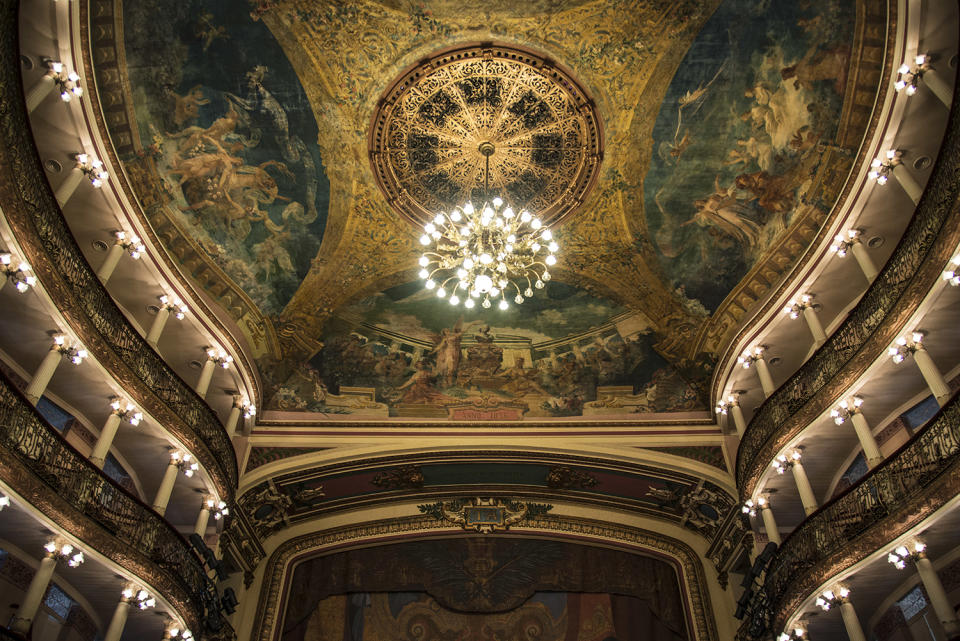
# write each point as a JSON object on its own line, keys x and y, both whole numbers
{"x": 278, "y": 571}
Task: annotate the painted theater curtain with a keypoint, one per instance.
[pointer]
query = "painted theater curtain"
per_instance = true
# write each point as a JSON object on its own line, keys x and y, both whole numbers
{"x": 484, "y": 589}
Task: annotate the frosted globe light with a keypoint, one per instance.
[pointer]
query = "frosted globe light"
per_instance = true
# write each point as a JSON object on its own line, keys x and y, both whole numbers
{"x": 483, "y": 283}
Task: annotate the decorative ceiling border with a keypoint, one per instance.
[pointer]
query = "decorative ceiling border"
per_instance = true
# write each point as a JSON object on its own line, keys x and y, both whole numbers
{"x": 278, "y": 571}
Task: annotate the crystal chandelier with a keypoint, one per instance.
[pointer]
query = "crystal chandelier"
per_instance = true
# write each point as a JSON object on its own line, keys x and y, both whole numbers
{"x": 479, "y": 255}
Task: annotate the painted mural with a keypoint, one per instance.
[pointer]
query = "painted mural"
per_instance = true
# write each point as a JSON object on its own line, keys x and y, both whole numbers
{"x": 740, "y": 134}
{"x": 404, "y": 352}
{"x": 484, "y": 589}
{"x": 231, "y": 137}
{"x": 546, "y": 616}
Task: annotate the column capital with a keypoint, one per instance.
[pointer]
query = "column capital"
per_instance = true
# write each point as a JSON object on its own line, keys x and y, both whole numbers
{"x": 843, "y": 241}
{"x": 74, "y": 352}
{"x": 92, "y": 168}
{"x": 900, "y": 555}
{"x": 138, "y": 596}
{"x": 175, "y": 631}
{"x": 732, "y": 400}
{"x": 846, "y": 409}
{"x": 219, "y": 356}
{"x": 751, "y": 356}
{"x": 797, "y": 633}
{"x": 17, "y": 271}
{"x": 833, "y": 597}
{"x": 909, "y": 76}
{"x": 60, "y": 550}
{"x": 787, "y": 459}
{"x": 185, "y": 461}
{"x": 905, "y": 346}
{"x": 131, "y": 243}
{"x": 882, "y": 166}
{"x": 795, "y": 307}
{"x": 174, "y": 305}
{"x": 67, "y": 82}
{"x": 126, "y": 410}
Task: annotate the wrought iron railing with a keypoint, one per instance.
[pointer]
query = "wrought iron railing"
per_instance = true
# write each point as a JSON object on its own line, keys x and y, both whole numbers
{"x": 74, "y": 286}
{"x": 903, "y": 482}
{"x": 776, "y": 419}
{"x": 123, "y": 519}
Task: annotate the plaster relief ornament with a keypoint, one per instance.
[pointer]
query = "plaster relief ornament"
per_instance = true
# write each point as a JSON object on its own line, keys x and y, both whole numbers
{"x": 484, "y": 515}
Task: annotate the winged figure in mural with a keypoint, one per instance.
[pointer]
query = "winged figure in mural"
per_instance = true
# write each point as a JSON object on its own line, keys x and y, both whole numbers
{"x": 722, "y": 210}
{"x": 694, "y": 98}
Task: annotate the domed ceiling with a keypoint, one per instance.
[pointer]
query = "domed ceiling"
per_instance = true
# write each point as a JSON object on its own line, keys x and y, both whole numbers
{"x": 685, "y": 152}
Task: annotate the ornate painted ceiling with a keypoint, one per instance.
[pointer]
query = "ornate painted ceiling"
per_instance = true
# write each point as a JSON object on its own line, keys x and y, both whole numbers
{"x": 687, "y": 152}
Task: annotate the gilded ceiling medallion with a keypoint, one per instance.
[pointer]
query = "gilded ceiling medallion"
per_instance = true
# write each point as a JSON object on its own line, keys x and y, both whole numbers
{"x": 438, "y": 123}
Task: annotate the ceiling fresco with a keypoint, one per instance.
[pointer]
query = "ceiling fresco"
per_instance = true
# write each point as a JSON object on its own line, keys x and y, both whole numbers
{"x": 405, "y": 352}
{"x": 739, "y": 137}
{"x": 246, "y": 129}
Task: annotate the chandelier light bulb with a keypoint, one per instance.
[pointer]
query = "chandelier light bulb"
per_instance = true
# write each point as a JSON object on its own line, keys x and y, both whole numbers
{"x": 468, "y": 303}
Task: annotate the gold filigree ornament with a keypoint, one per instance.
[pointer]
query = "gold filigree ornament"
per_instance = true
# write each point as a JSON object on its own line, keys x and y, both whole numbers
{"x": 439, "y": 126}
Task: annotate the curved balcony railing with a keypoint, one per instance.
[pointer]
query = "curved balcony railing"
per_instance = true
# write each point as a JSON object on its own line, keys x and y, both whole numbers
{"x": 915, "y": 481}
{"x": 871, "y": 326}
{"x": 37, "y": 462}
{"x": 33, "y": 213}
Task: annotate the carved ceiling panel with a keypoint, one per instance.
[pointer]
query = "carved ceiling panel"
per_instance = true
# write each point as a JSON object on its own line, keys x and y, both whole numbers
{"x": 542, "y": 130}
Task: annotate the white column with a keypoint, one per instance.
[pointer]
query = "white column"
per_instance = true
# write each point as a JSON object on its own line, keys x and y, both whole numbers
{"x": 763, "y": 372}
{"x": 34, "y": 596}
{"x": 206, "y": 375}
{"x": 933, "y": 377}
{"x": 166, "y": 488}
{"x": 102, "y": 446}
{"x": 159, "y": 321}
{"x": 851, "y": 622}
{"x": 769, "y": 523}
{"x": 869, "y": 444}
{"x": 234, "y": 418}
{"x": 39, "y": 92}
{"x": 816, "y": 329}
{"x": 203, "y": 518}
{"x": 909, "y": 183}
{"x": 68, "y": 186}
{"x": 738, "y": 420}
{"x": 863, "y": 259}
{"x": 42, "y": 376}
{"x": 118, "y": 621}
{"x": 938, "y": 87}
{"x": 807, "y": 496}
{"x": 938, "y": 596}
{"x": 110, "y": 262}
